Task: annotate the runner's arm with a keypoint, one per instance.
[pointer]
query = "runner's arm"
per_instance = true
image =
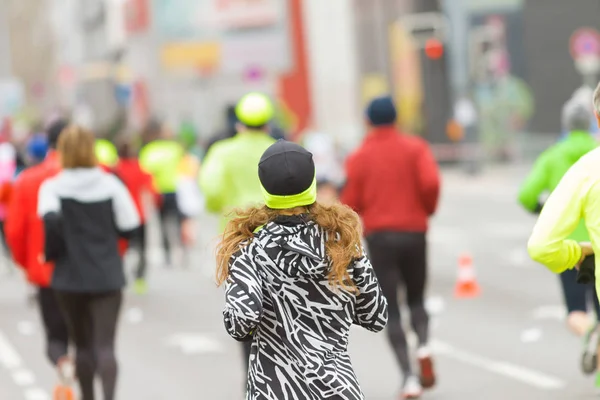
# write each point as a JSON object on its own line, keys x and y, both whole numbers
{"x": 16, "y": 224}
{"x": 371, "y": 304}
{"x": 560, "y": 216}
{"x": 243, "y": 297}
{"x": 534, "y": 185}
{"x": 351, "y": 193}
{"x": 213, "y": 181}
{"x": 428, "y": 178}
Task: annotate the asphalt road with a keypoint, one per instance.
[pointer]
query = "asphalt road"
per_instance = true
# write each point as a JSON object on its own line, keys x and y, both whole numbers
{"x": 508, "y": 343}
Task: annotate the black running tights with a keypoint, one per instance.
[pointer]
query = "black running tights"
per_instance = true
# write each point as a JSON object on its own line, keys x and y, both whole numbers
{"x": 92, "y": 320}
{"x": 400, "y": 261}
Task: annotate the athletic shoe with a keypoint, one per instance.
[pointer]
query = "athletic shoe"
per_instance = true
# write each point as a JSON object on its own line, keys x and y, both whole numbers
{"x": 140, "y": 286}
{"x": 426, "y": 366}
{"x": 589, "y": 357}
{"x": 66, "y": 374}
{"x": 412, "y": 388}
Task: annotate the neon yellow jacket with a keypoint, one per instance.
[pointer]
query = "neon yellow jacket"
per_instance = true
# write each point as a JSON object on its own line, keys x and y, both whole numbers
{"x": 549, "y": 169}
{"x": 229, "y": 173}
{"x": 577, "y": 196}
{"x": 161, "y": 159}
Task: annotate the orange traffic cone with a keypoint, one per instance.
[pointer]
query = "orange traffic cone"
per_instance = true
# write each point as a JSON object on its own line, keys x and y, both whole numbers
{"x": 466, "y": 284}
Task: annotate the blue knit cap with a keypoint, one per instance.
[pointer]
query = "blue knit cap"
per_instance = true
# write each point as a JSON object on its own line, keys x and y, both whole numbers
{"x": 37, "y": 147}
{"x": 381, "y": 111}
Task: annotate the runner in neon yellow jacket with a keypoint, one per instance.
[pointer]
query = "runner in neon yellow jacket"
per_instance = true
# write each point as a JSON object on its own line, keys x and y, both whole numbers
{"x": 547, "y": 175}
{"x": 570, "y": 170}
{"x": 229, "y": 174}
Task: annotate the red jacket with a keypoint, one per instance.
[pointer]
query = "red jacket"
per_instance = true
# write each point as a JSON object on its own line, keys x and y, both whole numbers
{"x": 137, "y": 182}
{"x": 392, "y": 182}
{"x": 23, "y": 228}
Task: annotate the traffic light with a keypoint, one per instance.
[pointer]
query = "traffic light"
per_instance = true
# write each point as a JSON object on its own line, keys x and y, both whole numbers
{"x": 434, "y": 49}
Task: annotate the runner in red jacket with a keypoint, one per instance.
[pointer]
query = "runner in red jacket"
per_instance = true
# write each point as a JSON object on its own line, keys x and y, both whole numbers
{"x": 25, "y": 237}
{"x": 138, "y": 182}
{"x": 393, "y": 183}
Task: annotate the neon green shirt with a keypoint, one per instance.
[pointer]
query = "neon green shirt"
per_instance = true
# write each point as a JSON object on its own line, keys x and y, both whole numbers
{"x": 161, "y": 158}
{"x": 549, "y": 169}
{"x": 229, "y": 173}
{"x": 577, "y": 196}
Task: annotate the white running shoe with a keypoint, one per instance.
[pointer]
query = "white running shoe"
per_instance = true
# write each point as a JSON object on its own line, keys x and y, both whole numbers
{"x": 412, "y": 388}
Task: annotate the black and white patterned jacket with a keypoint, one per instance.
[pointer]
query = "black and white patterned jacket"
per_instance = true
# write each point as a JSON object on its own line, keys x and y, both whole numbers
{"x": 278, "y": 296}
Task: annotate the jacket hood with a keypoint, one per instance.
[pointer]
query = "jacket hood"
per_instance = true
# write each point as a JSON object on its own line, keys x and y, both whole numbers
{"x": 80, "y": 179}
{"x": 296, "y": 245}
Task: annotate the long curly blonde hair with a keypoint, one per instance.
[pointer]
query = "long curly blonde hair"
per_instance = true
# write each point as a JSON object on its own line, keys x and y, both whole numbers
{"x": 341, "y": 225}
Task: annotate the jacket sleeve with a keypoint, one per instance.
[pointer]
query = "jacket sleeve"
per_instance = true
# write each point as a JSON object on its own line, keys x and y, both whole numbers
{"x": 535, "y": 184}
{"x": 15, "y": 225}
{"x": 49, "y": 210}
{"x": 213, "y": 181}
{"x": 127, "y": 219}
{"x": 243, "y": 298}
{"x": 428, "y": 178}
{"x": 352, "y": 191}
{"x": 371, "y": 304}
{"x": 560, "y": 216}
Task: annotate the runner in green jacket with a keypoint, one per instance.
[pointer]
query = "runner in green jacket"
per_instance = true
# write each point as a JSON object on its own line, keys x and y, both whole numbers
{"x": 229, "y": 174}
{"x": 547, "y": 172}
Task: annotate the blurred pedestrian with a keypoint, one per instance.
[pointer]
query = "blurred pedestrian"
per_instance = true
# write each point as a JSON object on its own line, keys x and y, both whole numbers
{"x": 576, "y": 195}
{"x": 297, "y": 279}
{"x": 85, "y": 211}
{"x": 229, "y": 131}
{"x": 140, "y": 185}
{"x": 161, "y": 157}
{"x": 393, "y": 183}
{"x": 25, "y": 237}
{"x": 229, "y": 175}
{"x": 547, "y": 172}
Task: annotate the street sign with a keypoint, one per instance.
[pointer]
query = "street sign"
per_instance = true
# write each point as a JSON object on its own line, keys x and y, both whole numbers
{"x": 585, "y": 42}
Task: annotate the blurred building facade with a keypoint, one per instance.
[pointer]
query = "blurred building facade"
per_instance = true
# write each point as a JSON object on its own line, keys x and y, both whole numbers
{"x": 119, "y": 62}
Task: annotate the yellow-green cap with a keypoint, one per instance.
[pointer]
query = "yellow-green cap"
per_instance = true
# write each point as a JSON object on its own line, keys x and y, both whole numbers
{"x": 254, "y": 110}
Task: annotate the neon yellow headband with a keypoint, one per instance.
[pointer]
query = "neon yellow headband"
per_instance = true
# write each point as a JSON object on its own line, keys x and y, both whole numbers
{"x": 308, "y": 197}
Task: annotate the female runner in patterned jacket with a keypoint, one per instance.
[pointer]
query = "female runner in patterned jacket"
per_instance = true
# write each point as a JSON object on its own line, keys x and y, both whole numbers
{"x": 297, "y": 279}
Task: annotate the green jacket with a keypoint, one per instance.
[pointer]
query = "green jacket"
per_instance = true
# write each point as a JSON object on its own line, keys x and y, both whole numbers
{"x": 229, "y": 173}
{"x": 161, "y": 159}
{"x": 549, "y": 169}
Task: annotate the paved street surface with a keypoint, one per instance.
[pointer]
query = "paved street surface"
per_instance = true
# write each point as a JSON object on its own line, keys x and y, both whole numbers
{"x": 510, "y": 343}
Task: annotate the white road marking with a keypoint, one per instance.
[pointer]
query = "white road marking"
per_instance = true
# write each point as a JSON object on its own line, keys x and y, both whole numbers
{"x": 550, "y": 312}
{"x": 531, "y": 335}
{"x": 36, "y": 394}
{"x": 530, "y": 377}
{"x": 193, "y": 343}
{"x": 134, "y": 315}
{"x": 26, "y": 328}
{"x": 435, "y": 305}
{"x": 23, "y": 377}
{"x": 9, "y": 358}
{"x": 520, "y": 258}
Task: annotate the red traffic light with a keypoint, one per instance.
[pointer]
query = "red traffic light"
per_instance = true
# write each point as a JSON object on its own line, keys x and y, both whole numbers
{"x": 434, "y": 49}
